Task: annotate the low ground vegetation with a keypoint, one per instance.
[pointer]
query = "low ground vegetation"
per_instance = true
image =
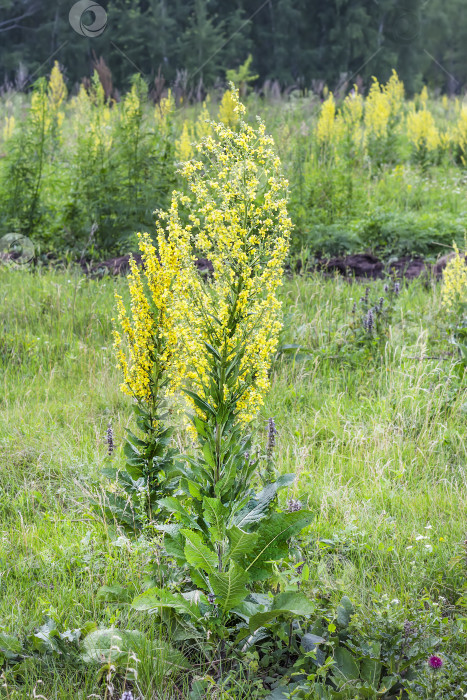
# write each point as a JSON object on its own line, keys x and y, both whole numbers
{"x": 375, "y": 435}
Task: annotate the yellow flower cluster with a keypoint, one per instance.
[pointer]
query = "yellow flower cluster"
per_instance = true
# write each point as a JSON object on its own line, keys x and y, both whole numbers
{"x": 237, "y": 214}
{"x": 132, "y": 108}
{"x": 165, "y": 107}
{"x": 149, "y": 333}
{"x": 94, "y": 118}
{"x": 459, "y": 135}
{"x": 183, "y": 146}
{"x": 377, "y": 112}
{"x": 394, "y": 91}
{"x": 8, "y": 128}
{"x": 192, "y": 132}
{"x": 57, "y": 94}
{"x": 351, "y": 114}
{"x": 422, "y": 131}
{"x": 382, "y": 107}
{"x": 57, "y": 88}
{"x": 454, "y": 290}
{"x": 39, "y": 113}
{"x": 228, "y": 113}
{"x": 326, "y": 131}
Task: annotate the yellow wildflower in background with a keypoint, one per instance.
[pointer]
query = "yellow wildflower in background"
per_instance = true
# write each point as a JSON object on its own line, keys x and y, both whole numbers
{"x": 377, "y": 112}
{"x": 39, "y": 112}
{"x": 56, "y": 89}
{"x": 8, "y": 128}
{"x": 228, "y": 114}
{"x": 203, "y": 123}
{"x": 459, "y": 135}
{"x": 454, "y": 290}
{"x": 325, "y": 128}
{"x": 351, "y": 114}
{"x": 422, "y": 130}
{"x": 394, "y": 91}
{"x": 183, "y": 147}
{"x": 423, "y": 97}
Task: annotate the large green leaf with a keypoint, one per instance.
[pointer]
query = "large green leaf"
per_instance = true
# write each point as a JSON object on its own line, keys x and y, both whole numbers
{"x": 174, "y": 506}
{"x": 273, "y": 535}
{"x": 344, "y": 612}
{"x": 198, "y": 554}
{"x": 241, "y": 542}
{"x": 371, "y": 670}
{"x": 289, "y": 604}
{"x": 257, "y": 508}
{"x": 174, "y": 544}
{"x": 10, "y": 647}
{"x": 156, "y": 599}
{"x": 230, "y": 586}
{"x": 111, "y": 645}
{"x": 345, "y": 664}
{"x": 296, "y": 603}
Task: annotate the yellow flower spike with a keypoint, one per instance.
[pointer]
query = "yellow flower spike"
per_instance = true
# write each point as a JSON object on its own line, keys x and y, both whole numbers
{"x": 148, "y": 329}
{"x": 227, "y": 109}
{"x": 8, "y": 128}
{"x": 454, "y": 289}
{"x": 422, "y": 130}
{"x": 238, "y": 220}
{"x": 56, "y": 89}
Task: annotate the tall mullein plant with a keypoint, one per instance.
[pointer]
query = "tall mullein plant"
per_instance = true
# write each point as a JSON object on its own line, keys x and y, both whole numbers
{"x": 222, "y": 532}
{"x": 228, "y": 328}
{"x": 145, "y": 344}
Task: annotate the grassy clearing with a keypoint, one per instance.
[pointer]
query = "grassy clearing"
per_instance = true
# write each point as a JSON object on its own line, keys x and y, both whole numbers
{"x": 378, "y": 446}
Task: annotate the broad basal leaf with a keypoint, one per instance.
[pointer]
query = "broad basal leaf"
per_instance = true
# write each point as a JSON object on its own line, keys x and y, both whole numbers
{"x": 156, "y": 599}
{"x": 111, "y": 645}
{"x": 345, "y": 664}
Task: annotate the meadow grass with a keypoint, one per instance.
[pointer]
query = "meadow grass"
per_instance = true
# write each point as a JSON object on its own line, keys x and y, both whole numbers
{"x": 377, "y": 444}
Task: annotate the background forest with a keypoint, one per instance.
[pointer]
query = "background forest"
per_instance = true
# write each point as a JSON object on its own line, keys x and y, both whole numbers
{"x": 294, "y": 41}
